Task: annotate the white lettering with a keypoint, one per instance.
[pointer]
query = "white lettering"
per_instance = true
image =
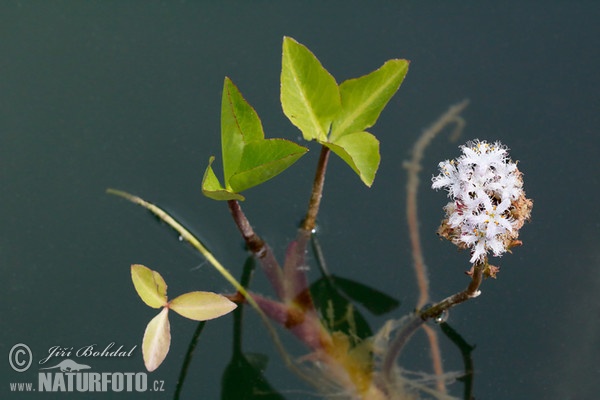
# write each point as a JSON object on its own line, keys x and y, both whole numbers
{"x": 92, "y": 382}
{"x": 117, "y": 382}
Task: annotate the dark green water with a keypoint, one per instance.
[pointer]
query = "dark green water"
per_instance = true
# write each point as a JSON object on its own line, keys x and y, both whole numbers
{"x": 127, "y": 94}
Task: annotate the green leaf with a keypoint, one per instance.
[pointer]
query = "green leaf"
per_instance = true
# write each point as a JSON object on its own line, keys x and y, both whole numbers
{"x": 364, "y": 98}
{"x": 309, "y": 94}
{"x": 262, "y": 160}
{"x": 149, "y": 285}
{"x": 248, "y": 158}
{"x": 373, "y": 300}
{"x": 157, "y": 340}
{"x": 240, "y": 125}
{"x": 201, "y": 306}
{"x": 212, "y": 188}
{"x": 360, "y": 150}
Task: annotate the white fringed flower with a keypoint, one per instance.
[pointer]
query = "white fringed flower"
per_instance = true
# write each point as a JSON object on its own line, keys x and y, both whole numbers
{"x": 488, "y": 204}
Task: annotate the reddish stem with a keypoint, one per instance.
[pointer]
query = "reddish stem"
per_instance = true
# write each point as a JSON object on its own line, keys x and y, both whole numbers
{"x": 317, "y": 191}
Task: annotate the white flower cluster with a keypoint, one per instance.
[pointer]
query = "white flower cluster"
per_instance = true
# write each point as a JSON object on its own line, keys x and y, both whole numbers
{"x": 486, "y": 189}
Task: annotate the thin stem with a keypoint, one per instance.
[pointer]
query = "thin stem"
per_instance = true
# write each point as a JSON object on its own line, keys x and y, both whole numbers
{"x": 239, "y": 312}
{"x": 185, "y": 235}
{"x": 414, "y": 167}
{"x": 255, "y": 244}
{"x": 419, "y": 318}
{"x": 317, "y": 191}
{"x": 190, "y": 238}
{"x": 470, "y": 292}
{"x": 465, "y": 350}
{"x": 188, "y": 359}
{"x": 320, "y": 257}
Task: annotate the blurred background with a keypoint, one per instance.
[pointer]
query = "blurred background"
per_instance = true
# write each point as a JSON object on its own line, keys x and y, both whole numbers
{"x": 101, "y": 94}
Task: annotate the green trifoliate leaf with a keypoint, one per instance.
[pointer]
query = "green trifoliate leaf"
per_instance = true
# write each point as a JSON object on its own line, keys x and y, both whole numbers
{"x": 364, "y": 98}
{"x": 157, "y": 340}
{"x": 202, "y": 306}
{"x": 150, "y": 286}
{"x": 360, "y": 151}
{"x": 309, "y": 94}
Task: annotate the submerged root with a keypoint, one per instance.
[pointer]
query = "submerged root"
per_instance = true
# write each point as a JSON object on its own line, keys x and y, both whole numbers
{"x": 334, "y": 377}
{"x": 399, "y": 383}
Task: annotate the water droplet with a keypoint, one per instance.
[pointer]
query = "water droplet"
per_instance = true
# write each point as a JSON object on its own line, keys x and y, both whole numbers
{"x": 443, "y": 317}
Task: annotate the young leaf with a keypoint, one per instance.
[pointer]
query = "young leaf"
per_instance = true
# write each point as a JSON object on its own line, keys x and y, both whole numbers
{"x": 360, "y": 150}
{"x": 364, "y": 98}
{"x": 248, "y": 158}
{"x": 157, "y": 340}
{"x": 262, "y": 160}
{"x": 149, "y": 285}
{"x": 309, "y": 94}
{"x": 201, "y": 306}
{"x": 212, "y": 188}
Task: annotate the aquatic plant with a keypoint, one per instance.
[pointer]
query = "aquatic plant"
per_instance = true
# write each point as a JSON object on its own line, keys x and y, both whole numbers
{"x": 345, "y": 358}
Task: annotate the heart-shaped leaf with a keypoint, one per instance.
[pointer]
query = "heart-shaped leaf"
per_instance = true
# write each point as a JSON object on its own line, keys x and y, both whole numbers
{"x": 202, "y": 306}
{"x": 248, "y": 158}
{"x": 150, "y": 286}
{"x": 157, "y": 340}
{"x": 309, "y": 94}
{"x": 360, "y": 150}
{"x": 364, "y": 98}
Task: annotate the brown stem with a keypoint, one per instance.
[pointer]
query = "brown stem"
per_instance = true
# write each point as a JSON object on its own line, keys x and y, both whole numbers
{"x": 470, "y": 292}
{"x": 253, "y": 241}
{"x": 317, "y": 191}
{"x": 259, "y": 248}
